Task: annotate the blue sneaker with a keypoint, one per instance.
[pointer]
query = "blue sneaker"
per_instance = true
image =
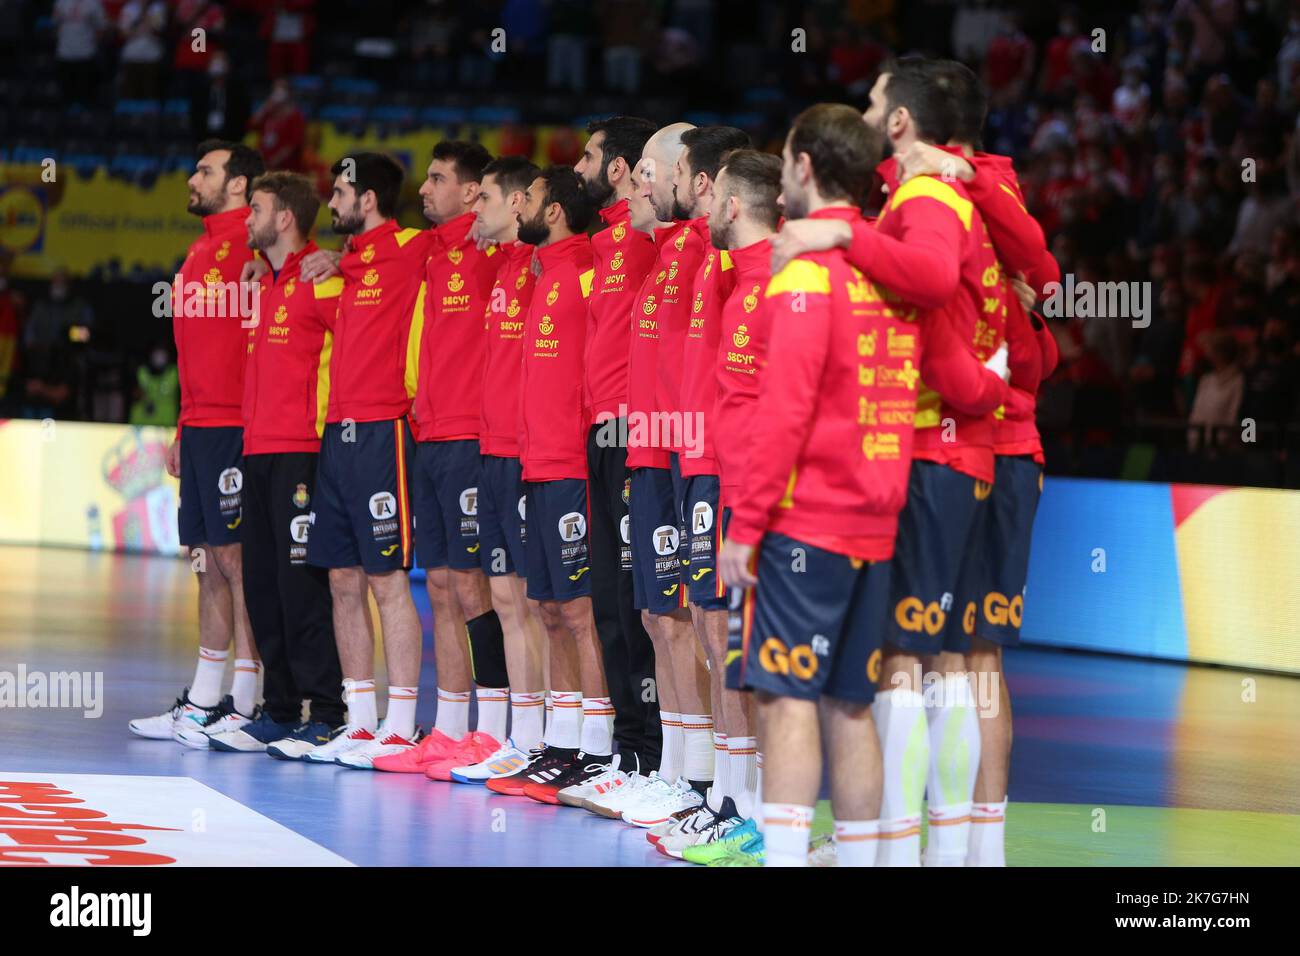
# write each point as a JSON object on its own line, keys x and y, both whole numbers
{"x": 251, "y": 738}
{"x": 303, "y": 740}
{"x": 737, "y": 846}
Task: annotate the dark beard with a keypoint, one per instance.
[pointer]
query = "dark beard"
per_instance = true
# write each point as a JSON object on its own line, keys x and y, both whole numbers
{"x": 721, "y": 236}
{"x": 199, "y": 208}
{"x": 351, "y": 225}
{"x": 680, "y": 212}
{"x": 600, "y": 192}
{"x": 261, "y": 241}
{"x": 534, "y": 232}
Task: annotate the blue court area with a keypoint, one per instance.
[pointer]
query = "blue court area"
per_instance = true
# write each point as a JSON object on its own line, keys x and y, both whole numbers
{"x": 1134, "y": 738}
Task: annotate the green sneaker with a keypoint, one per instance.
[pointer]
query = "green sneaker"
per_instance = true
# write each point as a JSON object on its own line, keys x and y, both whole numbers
{"x": 725, "y": 844}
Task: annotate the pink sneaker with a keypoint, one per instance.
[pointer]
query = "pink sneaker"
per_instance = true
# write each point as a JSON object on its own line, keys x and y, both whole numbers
{"x": 471, "y": 749}
{"x": 435, "y": 746}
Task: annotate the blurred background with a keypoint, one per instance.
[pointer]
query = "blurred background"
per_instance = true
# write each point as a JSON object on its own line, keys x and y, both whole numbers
{"x": 1155, "y": 142}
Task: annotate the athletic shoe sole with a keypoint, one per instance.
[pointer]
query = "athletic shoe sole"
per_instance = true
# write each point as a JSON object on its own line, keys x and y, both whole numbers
{"x": 602, "y": 811}
{"x": 543, "y": 794}
{"x": 219, "y": 746}
{"x": 460, "y": 778}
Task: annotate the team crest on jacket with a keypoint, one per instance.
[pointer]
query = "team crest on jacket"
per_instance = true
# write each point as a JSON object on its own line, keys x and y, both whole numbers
{"x": 740, "y": 337}
{"x": 513, "y": 308}
{"x": 368, "y": 253}
{"x": 546, "y": 326}
{"x": 649, "y": 306}
{"x": 223, "y": 251}
{"x": 553, "y": 294}
{"x": 289, "y": 287}
{"x": 680, "y": 243}
{"x": 619, "y": 232}
{"x": 523, "y": 278}
{"x": 455, "y": 255}
{"x": 627, "y": 490}
{"x": 672, "y": 269}
{"x": 371, "y": 277}
{"x": 281, "y": 313}
{"x": 699, "y": 302}
{"x": 708, "y": 266}
{"x": 617, "y": 262}
{"x": 212, "y": 276}
{"x": 659, "y": 279}
{"x": 750, "y": 302}
{"x": 300, "y": 496}
{"x": 455, "y": 283}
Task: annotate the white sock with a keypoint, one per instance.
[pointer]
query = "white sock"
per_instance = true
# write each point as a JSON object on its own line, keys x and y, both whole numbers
{"x": 526, "y": 714}
{"x": 954, "y": 761}
{"x": 987, "y": 834}
{"x": 742, "y": 754}
{"x": 855, "y": 842}
{"x": 697, "y": 734}
{"x": 670, "y": 759}
{"x": 205, "y": 689}
{"x": 758, "y": 790}
{"x": 244, "y": 687}
{"x": 400, "y": 718}
{"x": 597, "y": 726}
{"x": 905, "y": 751}
{"x": 564, "y": 728}
{"x": 452, "y": 717}
{"x": 359, "y": 695}
{"x": 787, "y": 835}
{"x": 721, "y": 771}
{"x": 550, "y": 709}
{"x": 493, "y": 707}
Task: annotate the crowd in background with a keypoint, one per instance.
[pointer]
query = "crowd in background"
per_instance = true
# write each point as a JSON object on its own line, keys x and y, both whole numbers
{"x": 1155, "y": 142}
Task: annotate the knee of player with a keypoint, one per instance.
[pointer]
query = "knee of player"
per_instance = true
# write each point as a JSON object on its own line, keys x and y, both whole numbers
{"x": 228, "y": 560}
{"x": 552, "y": 616}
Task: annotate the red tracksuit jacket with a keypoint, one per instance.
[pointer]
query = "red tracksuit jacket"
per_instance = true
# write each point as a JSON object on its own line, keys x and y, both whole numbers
{"x": 506, "y": 314}
{"x": 621, "y": 257}
{"x": 742, "y": 344}
{"x": 286, "y": 379}
{"x": 644, "y": 450}
{"x": 375, "y": 358}
{"x": 210, "y": 349}
{"x": 685, "y": 254}
{"x": 832, "y": 429}
{"x": 552, "y": 430}
{"x": 714, "y": 282}
{"x": 458, "y": 280}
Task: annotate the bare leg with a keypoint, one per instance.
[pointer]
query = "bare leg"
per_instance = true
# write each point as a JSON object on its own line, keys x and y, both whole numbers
{"x": 353, "y": 629}
{"x": 524, "y": 638}
{"x": 230, "y": 564}
{"x": 581, "y": 625}
{"x": 401, "y": 626}
{"x": 450, "y": 643}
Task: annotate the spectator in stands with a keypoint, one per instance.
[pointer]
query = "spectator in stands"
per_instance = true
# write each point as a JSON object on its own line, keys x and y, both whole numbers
{"x": 80, "y": 24}
{"x": 281, "y": 129}
{"x": 433, "y": 31}
{"x": 157, "y": 390}
{"x": 56, "y": 325}
{"x": 1218, "y": 393}
{"x": 626, "y": 25}
{"x": 1009, "y": 66}
{"x": 141, "y": 26}
{"x": 219, "y": 110}
{"x": 567, "y": 46}
{"x": 287, "y": 26}
{"x": 200, "y": 27}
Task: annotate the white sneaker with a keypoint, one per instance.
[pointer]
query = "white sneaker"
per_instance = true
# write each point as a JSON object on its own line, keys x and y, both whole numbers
{"x": 610, "y": 803}
{"x": 507, "y": 759}
{"x": 345, "y": 742}
{"x": 382, "y": 744}
{"x": 679, "y": 820}
{"x": 660, "y": 801}
{"x": 691, "y": 830}
{"x": 165, "y": 725}
{"x": 602, "y": 782}
{"x": 304, "y": 739}
{"x": 822, "y": 851}
{"x": 224, "y": 719}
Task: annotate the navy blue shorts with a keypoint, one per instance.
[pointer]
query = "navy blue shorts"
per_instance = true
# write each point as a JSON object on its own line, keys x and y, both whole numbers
{"x": 445, "y": 492}
{"x": 212, "y": 480}
{"x": 701, "y": 539}
{"x": 735, "y": 625}
{"x": 655, "y": 535}
{"x": 934, "y": 537}
{"x": 558, "y": 547}
{"x": 998, "y": 603}
{"x": 501, "y": 512}
{"x": 816, "y": 630}
{"x": 361, "y": 513}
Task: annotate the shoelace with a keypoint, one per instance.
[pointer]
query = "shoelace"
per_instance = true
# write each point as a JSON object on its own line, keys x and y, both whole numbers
{"x": 220, "y": 712}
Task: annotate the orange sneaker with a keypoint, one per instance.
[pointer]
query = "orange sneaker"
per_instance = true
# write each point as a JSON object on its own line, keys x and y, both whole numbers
{"x": 435, "y": 746}
{"x": 470, "y": 749}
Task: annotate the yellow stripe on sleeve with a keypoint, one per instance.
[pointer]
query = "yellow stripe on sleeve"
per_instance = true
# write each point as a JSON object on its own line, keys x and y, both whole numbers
{"x": 412, "y": 376}
{"x": 800, "y": 275}
{"x": 931, "y": 188}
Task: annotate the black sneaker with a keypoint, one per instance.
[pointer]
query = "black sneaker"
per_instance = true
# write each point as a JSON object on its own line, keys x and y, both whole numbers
{"x": 584, "y": 767}
{"x": 549, "y": 762}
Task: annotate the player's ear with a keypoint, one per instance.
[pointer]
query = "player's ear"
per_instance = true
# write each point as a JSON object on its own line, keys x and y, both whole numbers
{"x": 617, "y": 169}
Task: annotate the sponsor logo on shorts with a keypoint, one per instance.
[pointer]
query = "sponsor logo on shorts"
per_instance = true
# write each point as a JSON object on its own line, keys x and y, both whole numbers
{"x": 382, "y": 506}
{"x": 799, "y": 661}
{"x": 299, "y": 525}
{"x": 701, "y": 517}
{"x": 469, "y": 501}
{"x": 573, "y": 526}
{"x": 912, "y": 615}
{"x": 999, "y": 611}
{"x": 300, "y": 497}
{"x": 230, "y": 481}
{"x": 523, "y": 507}
{"x": 666, "y": 540}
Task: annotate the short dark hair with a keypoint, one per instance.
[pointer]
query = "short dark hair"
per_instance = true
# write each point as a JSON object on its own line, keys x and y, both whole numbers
{"x": 563, "y": 186}
{"x": 292, "y": 191}
{"x": 513, "y": 173}
{"x": 957, "y": 81}
{"x": 843, "y": 149}
{"x": 469, "y": 158}
{"x": 244, "y": 160}
{"x": 913, "y": 85}
{"x": 706, "y": 145}
{"x": 378, "y": 173}
{"x": 756, "y": 179}
{"x": 625, "y": 136}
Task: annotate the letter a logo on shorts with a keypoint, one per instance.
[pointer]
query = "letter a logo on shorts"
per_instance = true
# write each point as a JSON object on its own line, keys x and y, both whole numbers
{"x": 623, "y": 527}
{"x": 666, "y": 540}
{"x": 230, "y": 481}
{"x": 298, "y": 528}
{"x": 382, "y": 505}
{"x": 701, "y": 517}
{"x": 469, "y": 501}
{"x": 573, "y": 526}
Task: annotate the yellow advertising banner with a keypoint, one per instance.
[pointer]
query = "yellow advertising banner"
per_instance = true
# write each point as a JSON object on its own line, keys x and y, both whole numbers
{"x": 87, "y": 485}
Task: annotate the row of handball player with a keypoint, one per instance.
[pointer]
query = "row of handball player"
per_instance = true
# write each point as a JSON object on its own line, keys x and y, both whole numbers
{"x": 739, "y": 481}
